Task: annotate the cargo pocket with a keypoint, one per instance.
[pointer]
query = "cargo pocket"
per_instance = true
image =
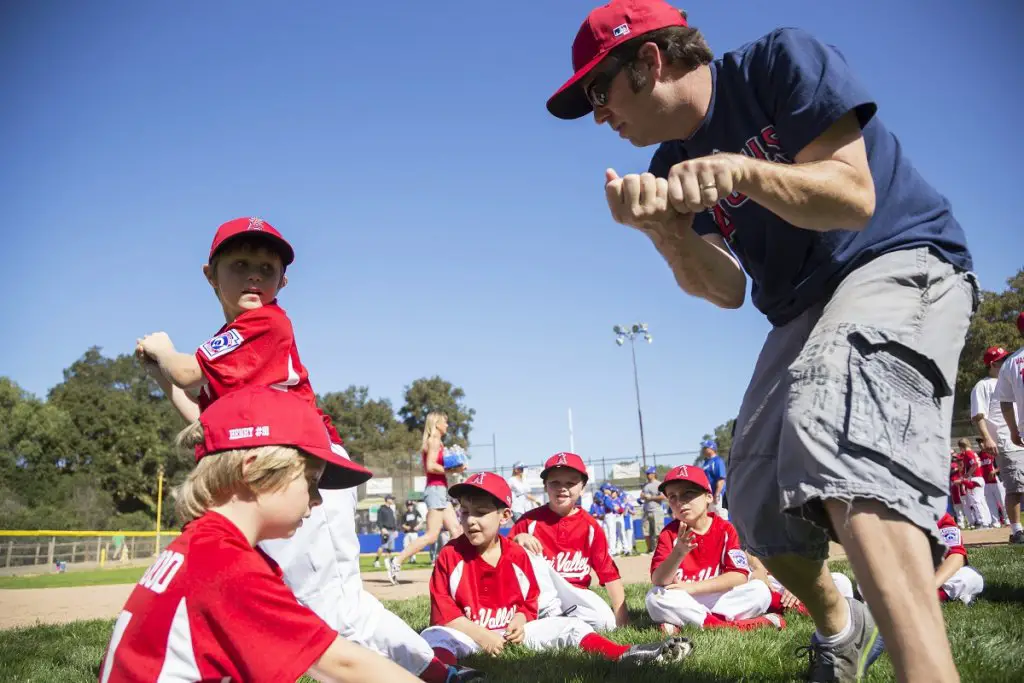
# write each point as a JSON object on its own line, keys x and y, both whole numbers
{"x": 895, "y": 407}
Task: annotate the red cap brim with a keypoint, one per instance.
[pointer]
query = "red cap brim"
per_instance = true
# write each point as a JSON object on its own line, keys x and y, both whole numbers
{"x": 339, "y": 473}
{"x": 570, "y": 102}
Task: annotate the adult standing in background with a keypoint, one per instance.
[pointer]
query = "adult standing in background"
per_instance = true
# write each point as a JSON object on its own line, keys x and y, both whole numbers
{"x": 773, "y": 164}
{"x": 988, "y": 419}
{"x": 388, "y": 527}
{"x": 714, "y": 467}
{"x": 654, "y": 511}
{"x": 439, "y": 509}
{"x": 522, "y": 500}
{"x": 1009, "y": 392}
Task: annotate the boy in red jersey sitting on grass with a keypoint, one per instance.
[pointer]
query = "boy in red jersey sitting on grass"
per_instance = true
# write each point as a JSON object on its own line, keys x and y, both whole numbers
{"x": 573, "y": 543}
{"x": 700, "y": 573}
{"x": 485, "y": 593}
{"x": 213, "y": 606}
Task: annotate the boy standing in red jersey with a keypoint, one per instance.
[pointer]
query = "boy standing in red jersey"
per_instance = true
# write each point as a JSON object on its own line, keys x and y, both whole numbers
{"x": 256, "y": 347}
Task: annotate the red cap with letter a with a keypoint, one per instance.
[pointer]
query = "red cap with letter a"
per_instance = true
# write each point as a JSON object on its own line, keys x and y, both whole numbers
{"x": 690, "y": 473}
{"x": 248, "y": 226}
{"x": 604, "y": 29}
{"x": 565, "y": 459}
{"x": 488, "y": 482}
{"x": 261, "y": 416}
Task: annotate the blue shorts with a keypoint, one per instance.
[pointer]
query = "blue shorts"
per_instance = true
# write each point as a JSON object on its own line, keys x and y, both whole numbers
{"x": 436, "y": 497}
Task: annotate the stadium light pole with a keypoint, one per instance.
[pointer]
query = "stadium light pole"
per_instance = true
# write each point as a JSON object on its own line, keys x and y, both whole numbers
{"x": 631, "y": 332}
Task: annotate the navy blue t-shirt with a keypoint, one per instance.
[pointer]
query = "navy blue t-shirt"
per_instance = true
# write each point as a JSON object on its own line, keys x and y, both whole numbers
{"x": 770, "y": 99}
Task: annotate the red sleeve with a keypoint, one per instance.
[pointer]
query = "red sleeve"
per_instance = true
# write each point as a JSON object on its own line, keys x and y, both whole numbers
{"x": 600, "y": 559}
{"x": 951, "y": 536}
{"x": 254, "y": 349}
{"x": 443, "y": 608}
{"x": 666, "y": 539}
{"x": 520, "y": 527}
{"x": 264, "y": 629}
{"x": 331, "y": 431}
{"x": 733, "y": 558}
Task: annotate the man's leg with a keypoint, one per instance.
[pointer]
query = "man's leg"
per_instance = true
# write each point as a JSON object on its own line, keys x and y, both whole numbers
{"x": 811, "y": 581}
{"x": 864, "y": 443}
{"x": 903, "y": 602}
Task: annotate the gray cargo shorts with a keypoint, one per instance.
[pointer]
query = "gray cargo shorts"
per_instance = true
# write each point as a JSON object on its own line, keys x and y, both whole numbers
{"x": 853, "y": 399}
{"x": 1011, "y": 467}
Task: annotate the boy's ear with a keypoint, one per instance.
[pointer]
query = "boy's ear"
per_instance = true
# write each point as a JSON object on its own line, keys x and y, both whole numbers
{"x": 210, "y": 276}
{"x": 284, "y": 282}
{"x": 506, "y": 514}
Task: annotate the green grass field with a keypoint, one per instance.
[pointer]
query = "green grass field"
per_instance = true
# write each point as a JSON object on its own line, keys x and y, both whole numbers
{"x": 106, "y": 577}
{"x": 987, "y": 638}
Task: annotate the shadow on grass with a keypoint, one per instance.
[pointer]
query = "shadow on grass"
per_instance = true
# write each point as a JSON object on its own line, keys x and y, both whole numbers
{"x": 1003, "y": 592}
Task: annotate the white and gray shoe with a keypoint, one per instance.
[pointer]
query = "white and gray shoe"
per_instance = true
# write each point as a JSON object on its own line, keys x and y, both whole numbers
{"x": 674, "y": 649}
{"x": 392, "y": 566}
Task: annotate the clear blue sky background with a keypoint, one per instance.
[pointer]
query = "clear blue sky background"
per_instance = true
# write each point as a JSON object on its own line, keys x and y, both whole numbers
{"x": 444, "y": 222}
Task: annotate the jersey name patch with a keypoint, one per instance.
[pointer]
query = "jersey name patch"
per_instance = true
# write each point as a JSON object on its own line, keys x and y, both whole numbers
{"x": 222, "y": 344}
{"x": 950, "y": 536}
{"x": 739, "y": 558}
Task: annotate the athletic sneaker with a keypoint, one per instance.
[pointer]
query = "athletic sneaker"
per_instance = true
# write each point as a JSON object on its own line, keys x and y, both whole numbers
{"x": 674, "y": 649}
{"x": 376, "y": 564}
{"x": 462, "y": 674}
{"x": 668, "y": 629}
{"x": 1017, "y": 537}
{"x": 847, "y": 661}
{"x": 392, "y": 566}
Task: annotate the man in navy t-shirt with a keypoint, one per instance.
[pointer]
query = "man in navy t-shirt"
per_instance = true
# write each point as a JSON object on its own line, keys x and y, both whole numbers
{"x": 772, "y": 164}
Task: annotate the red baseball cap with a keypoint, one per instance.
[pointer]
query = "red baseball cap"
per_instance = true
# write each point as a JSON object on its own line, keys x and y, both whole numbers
{"x": 995, "y": 353}
{"x": 246, "y": 226}
{"x": 690, "y": 473}
{"x": 570, "y": 460}
{"x": 488, "y": 482}
{"x": 261, "y": 416}
{"x": 605, "y": 28}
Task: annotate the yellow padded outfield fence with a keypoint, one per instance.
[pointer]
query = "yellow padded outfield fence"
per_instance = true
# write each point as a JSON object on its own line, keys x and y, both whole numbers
{"x": 24, "y": 548}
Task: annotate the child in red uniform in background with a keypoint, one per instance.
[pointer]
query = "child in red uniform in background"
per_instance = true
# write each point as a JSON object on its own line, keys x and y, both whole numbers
{"x": 974, "y": 486}
{"x": 995, "y": 494}
{"x": 700, "y": 573}
{"x": 956, "y": 490}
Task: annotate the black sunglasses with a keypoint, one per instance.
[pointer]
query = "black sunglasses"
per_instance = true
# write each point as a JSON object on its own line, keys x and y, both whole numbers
{"x": 597, "y": 90}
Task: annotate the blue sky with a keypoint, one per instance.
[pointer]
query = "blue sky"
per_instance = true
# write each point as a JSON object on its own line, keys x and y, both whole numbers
{"x": 444, "y": 223}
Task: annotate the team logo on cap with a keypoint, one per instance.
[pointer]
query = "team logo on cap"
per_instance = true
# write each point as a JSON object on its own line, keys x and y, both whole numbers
{"x": 222, "y": 344}
{"x": 256, "y": 223}
{"x": 620, "y": 30}
{"x": 681, "y": 471}
{"x": 562, "y": 460}
{"x": 477, "y": 479}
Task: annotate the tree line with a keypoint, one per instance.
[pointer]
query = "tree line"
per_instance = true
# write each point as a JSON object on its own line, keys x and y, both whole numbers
{"x": 993, "y": 324}
{"x": 87, "y": 456}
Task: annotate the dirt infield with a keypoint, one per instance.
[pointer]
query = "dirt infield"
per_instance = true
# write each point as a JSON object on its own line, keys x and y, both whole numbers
{"x": 33, "y": 606}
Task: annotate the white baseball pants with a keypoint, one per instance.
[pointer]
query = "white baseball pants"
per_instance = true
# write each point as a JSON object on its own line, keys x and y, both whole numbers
{"x": 559, "y": 597}
{"x": 995, "y": 495}
{"x": 541, "y": 634}
{"x": 679, "y": 608}
{"x": 964, "y": 586}
{"x": 976, "y": 505}
{"x": 321, "y": 566}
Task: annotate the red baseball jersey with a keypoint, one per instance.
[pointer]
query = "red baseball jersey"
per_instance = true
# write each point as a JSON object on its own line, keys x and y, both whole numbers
{"x": 256, "y": 349}
{"x": 464, "y": 585}
{"x": 213, "y": 608}
{"x": 573, "y": 544}
{"x": 970, "y": 465}
{"x": 434, "y": 479}
{"x": 718, "y": 551}
{"x": 951, "y": 536}
{"x": 988, "y": 467}
{"x": 956, "y": 486}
